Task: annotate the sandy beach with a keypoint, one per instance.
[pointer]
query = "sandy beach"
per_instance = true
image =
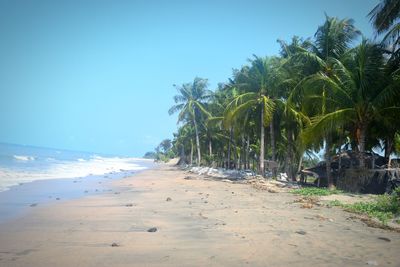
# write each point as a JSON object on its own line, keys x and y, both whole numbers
{"x": 197, "y": 223}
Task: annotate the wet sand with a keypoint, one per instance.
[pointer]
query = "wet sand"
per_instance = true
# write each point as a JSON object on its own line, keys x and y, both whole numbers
{"x": 198, "y": 223}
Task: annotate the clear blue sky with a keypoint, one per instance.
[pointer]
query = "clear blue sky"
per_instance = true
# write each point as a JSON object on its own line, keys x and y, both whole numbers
{"x": 97, "y": 75}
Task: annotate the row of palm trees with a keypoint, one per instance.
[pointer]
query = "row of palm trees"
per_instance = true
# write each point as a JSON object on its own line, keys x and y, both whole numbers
{"x": 317, "y": 94}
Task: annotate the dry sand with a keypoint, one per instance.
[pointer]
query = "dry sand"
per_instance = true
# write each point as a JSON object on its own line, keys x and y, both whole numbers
{"x": 199, "y": 223}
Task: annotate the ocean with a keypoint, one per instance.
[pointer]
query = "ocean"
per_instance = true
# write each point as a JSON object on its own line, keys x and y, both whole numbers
{"x": 23, "y": 164}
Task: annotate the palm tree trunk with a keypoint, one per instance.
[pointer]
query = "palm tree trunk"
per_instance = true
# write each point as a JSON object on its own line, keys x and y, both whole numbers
{"x": 388, "y": 149}
{"x": 235, "y": 155}
{"x": 273, "y": 144}
{"x": 363, "y": 134}
{"x": 182, "y": 156}
{"x": 262, "y": 172}
{"x": 242, "y": 164}
{"x": 191, "y": 151}
{"x": 229, "y": 148}
{"x": 210, "y": 147}
{"x": 300, "y": 167}
{"x": 329, "y": 177}
{"x": 288, "y": 163}
{"x": 247, "y": 161}
{"x": 197, "y": 141}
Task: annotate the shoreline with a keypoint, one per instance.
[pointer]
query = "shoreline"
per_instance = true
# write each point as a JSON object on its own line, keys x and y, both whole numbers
{"x": 20, "y": 199}
{"x": 198, "y": 222}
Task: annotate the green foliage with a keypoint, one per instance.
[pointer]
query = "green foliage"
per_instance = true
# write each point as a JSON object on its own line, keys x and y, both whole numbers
{"x": 322, "y": 92}
{"x": 314, "y": 191}
{"x": 150, "y": 155}
{"x": 334, "y": 203}
{"x": 163, "y": 152}
{"x": 384, "y": 207}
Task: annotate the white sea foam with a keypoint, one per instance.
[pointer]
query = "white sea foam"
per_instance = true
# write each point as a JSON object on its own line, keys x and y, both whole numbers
{"x": 96, "y": 165}
{"x": 23, "y": 158}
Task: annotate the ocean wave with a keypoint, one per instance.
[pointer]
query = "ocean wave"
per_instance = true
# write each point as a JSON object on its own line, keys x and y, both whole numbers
{"x": 67, "y": 169}
{"x": 23, "y": 158}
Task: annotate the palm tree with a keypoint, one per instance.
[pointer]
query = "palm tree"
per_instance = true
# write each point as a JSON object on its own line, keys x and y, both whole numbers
{"x": 256, "y": 81}
{"x": 190, "y": 104}
{"x": 385, "y": 18}
{"x": 293, "y": 119}
{"x": 384, "y": 14}
{"x": 360, "y": 93}
{"x": 183, "y": 142}
{"x": 332, "y": 40}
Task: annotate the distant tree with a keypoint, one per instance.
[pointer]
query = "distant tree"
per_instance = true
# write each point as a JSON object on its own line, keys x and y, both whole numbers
{"x": 150, "y": 155}
{"x": 190, "y": 103}
{"x": 165, "y": 145}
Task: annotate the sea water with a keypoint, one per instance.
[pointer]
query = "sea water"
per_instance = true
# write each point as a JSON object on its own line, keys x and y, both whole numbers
{"x": 23, "y": 164}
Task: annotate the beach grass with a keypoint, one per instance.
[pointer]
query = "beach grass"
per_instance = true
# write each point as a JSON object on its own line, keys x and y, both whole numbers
{"x": 315, "y": 191}
{"x": 383, "y": 207}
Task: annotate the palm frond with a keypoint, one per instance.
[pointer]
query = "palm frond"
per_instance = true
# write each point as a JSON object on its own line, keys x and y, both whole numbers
{"x": 175, "y": 108}
{"x": 321, "y": 125}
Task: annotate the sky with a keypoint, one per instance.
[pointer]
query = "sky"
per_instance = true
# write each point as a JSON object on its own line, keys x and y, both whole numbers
{"x": 98, "y": 75}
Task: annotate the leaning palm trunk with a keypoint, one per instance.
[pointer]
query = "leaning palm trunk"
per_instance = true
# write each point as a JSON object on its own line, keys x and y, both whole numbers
{"x": 299, "y": 167}
{"x": 197, "y": 141}
{"x": 262, "y": 172}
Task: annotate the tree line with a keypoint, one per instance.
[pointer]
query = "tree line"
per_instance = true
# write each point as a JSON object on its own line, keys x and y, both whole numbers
{"x": 327, "y": 92}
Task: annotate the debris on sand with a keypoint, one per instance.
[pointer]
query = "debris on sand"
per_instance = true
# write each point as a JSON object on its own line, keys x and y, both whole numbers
{"x": 271, "y": 186}
{"x": 308, "y": 202}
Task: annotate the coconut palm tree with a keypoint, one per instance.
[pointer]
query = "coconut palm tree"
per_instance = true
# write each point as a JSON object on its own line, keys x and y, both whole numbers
{"x": 385, "y": 18}
{"x": 360, "y": 93}
{"x": 385, "y": 14}
{"x": 183, "y": 143}
{"x": 190, "y": 103}
{"x": 255, "y": 98}
{"x": 332, "y": 40}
